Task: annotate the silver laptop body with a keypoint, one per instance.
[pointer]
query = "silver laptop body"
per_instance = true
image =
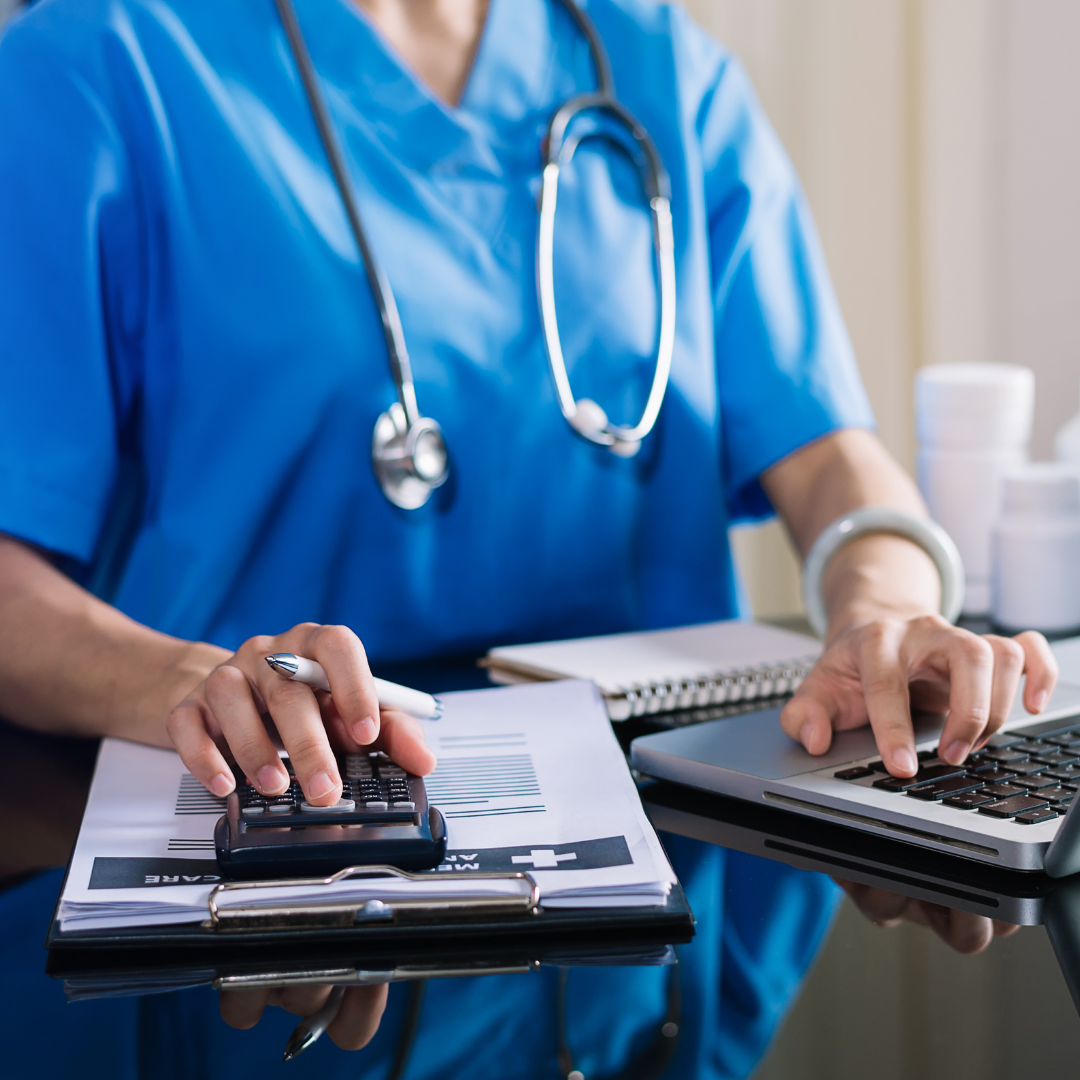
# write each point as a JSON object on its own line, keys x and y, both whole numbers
{"x": 750, "y": 757}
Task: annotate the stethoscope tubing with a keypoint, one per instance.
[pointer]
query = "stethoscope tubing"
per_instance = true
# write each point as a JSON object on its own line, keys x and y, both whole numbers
{"x": 400, "y": 430}
{"x": 401, "y": 366}
{"x": 558, "y": 152}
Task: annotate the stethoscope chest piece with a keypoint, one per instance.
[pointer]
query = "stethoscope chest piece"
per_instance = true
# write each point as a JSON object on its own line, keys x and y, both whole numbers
{"x": 410, "y": 460}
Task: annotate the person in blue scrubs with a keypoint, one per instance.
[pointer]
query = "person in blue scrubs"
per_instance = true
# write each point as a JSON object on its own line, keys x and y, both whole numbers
{"x": 193, "y": 365}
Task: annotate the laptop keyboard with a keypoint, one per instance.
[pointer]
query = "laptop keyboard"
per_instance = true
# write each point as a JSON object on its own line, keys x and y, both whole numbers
{"x": 1029, "y": 776}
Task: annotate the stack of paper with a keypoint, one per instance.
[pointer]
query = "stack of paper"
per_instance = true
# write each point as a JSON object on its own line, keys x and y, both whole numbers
{"x": 529, "y": 778}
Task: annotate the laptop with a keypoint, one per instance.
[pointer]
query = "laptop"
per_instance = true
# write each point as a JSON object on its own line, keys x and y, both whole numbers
{"x": 1003, "y": 806}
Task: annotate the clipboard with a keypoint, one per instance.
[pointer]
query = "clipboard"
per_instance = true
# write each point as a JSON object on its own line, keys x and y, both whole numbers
{"x": 519, "y": 919}
{"x": 235, "y": 964}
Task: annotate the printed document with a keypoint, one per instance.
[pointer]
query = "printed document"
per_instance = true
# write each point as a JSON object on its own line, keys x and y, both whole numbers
{"x": 529, "y": 778}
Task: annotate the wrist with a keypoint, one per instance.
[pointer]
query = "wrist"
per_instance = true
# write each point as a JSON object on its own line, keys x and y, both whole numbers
{"x": 879, "y": 576}
{"x": 180, "y": 671}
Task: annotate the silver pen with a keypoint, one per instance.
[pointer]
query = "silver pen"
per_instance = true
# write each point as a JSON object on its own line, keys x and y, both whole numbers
{"x": 311, "y": 1027}
{"x": 391, "y": 695}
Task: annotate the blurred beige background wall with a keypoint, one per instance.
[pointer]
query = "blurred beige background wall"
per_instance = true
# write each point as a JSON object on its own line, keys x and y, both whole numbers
{"x": 939, "y": 145}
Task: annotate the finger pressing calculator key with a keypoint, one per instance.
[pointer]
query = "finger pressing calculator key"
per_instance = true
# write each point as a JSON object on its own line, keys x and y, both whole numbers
{"x": 381, "y": 818}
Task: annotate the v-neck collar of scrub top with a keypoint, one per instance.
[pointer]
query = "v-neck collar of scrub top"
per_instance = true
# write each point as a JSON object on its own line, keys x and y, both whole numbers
{"x": 511, "y": 84}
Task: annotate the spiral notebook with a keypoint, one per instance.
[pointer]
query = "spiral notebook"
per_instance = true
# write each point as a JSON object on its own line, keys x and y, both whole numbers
{"x": 663, "y": 670}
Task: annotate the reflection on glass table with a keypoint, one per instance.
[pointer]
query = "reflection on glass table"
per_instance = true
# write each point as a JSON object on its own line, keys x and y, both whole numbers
{"x": 543, "y": 1015}
{"x": 534, "y": 1015}
{"x": 965, "y": 902}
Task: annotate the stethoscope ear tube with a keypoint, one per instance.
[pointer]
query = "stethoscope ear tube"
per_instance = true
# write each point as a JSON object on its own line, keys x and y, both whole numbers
{"x": 585, "y": 416}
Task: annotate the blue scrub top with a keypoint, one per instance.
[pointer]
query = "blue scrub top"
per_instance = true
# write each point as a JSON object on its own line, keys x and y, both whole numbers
{"x": 192, "y": 362}
{"x": 192, "y": 366}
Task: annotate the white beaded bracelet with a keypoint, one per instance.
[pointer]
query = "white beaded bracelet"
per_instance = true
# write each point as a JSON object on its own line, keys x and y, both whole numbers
{"x": 931, "y": 537}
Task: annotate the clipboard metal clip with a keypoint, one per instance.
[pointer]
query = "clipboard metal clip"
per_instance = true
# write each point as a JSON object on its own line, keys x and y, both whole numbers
{"x": 341, "y": 913}
{"x": 351, "y": 976}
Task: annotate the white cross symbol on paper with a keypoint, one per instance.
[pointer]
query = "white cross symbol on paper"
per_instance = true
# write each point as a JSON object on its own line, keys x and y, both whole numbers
{"x": 543, "y": 859}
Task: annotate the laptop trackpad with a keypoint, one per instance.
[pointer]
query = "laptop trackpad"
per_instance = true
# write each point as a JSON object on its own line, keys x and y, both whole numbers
{"x": 755, "y": 743}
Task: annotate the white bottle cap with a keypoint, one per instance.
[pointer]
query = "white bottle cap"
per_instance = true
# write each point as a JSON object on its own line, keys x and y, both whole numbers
{"x": 974, "y": 405}
{"x": 1044, "y": 489}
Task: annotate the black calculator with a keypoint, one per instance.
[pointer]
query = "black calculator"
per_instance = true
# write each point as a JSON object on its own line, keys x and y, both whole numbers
{"x": 382, "y": 818}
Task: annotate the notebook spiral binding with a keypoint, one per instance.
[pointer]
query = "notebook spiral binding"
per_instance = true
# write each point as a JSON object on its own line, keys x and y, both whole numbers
{"x": 722, "y": 688}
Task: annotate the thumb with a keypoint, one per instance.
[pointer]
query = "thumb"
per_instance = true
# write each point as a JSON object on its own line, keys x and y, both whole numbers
{"x": 807, "y": 719}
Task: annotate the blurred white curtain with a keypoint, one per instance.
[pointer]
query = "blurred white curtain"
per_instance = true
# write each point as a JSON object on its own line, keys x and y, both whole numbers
{"x": 7, "y": 7}
{"x": 939, "y": 144}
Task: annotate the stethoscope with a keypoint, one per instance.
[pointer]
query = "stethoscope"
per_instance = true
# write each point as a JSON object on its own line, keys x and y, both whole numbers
{"x": 408, "y": 450}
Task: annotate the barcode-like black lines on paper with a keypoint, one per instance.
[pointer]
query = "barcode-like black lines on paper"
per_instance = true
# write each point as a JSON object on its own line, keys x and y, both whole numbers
{"x": 480, "y": 780}
{"x": 193, "y": 798}
{"x": 191, "y": 845}
{"x": 497, "y": 813}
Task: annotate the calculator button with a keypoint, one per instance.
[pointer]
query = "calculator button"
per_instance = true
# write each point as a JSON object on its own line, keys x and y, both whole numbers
{"x": 403, "y": 804}
{"x": 340, "y": 807}
{"x": 251, "y": 811}
{"x": 375, "y": 804}
{"x": 281, "y": 808}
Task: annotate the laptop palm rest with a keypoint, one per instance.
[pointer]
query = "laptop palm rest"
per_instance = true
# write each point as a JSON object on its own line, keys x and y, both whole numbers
{"x": 754, "y": 743}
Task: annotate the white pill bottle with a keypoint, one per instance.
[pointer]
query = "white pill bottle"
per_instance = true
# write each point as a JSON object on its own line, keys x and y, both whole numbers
{"x": 1036, "y": 550}
{"x": 974, "y": 424}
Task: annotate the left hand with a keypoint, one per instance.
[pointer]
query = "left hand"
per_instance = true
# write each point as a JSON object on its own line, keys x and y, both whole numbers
{"x": 878, "y": 672}
{"x": 960, "y": 930}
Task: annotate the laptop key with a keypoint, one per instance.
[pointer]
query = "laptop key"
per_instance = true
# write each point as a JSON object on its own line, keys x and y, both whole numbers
{"x": 1007, "y": 808}
{"x": 1006, "y": 756}
{"x": 877, "y": 766}
{"x": 1068, "y": 773}
{"x": 953, "y": 785}
{"x": 1033, "y": 783}
{"x": 1028, "y": 768}
{"x": 1035, "y": 817}
{"x": 994, "y": 776}
{"x": 895, "y": 783}
{"x": 856, "y": 773}
{"x": 1060, "y": 793}
{"x": 1058, "y": 757}
{"x": 969, "y": 800}
{"x": 1003, "y": 740}
{"x": 1003, "y": 791}
{"x": 1066, "y": 740}
{"x": 925, "y": 775}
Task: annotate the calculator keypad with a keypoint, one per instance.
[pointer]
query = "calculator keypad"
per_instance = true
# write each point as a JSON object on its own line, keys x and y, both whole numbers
{"x": 373, "y": 787}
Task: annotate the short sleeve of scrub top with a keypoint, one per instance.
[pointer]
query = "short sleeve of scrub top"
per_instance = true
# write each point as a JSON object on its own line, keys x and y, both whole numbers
{"x": 193, "y": 365}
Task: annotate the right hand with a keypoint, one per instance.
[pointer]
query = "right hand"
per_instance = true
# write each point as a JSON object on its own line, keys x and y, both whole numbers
{"x": 225, "y": 711}
{"x": 960, "y": 930}
{"x": 353, "y": 1027}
